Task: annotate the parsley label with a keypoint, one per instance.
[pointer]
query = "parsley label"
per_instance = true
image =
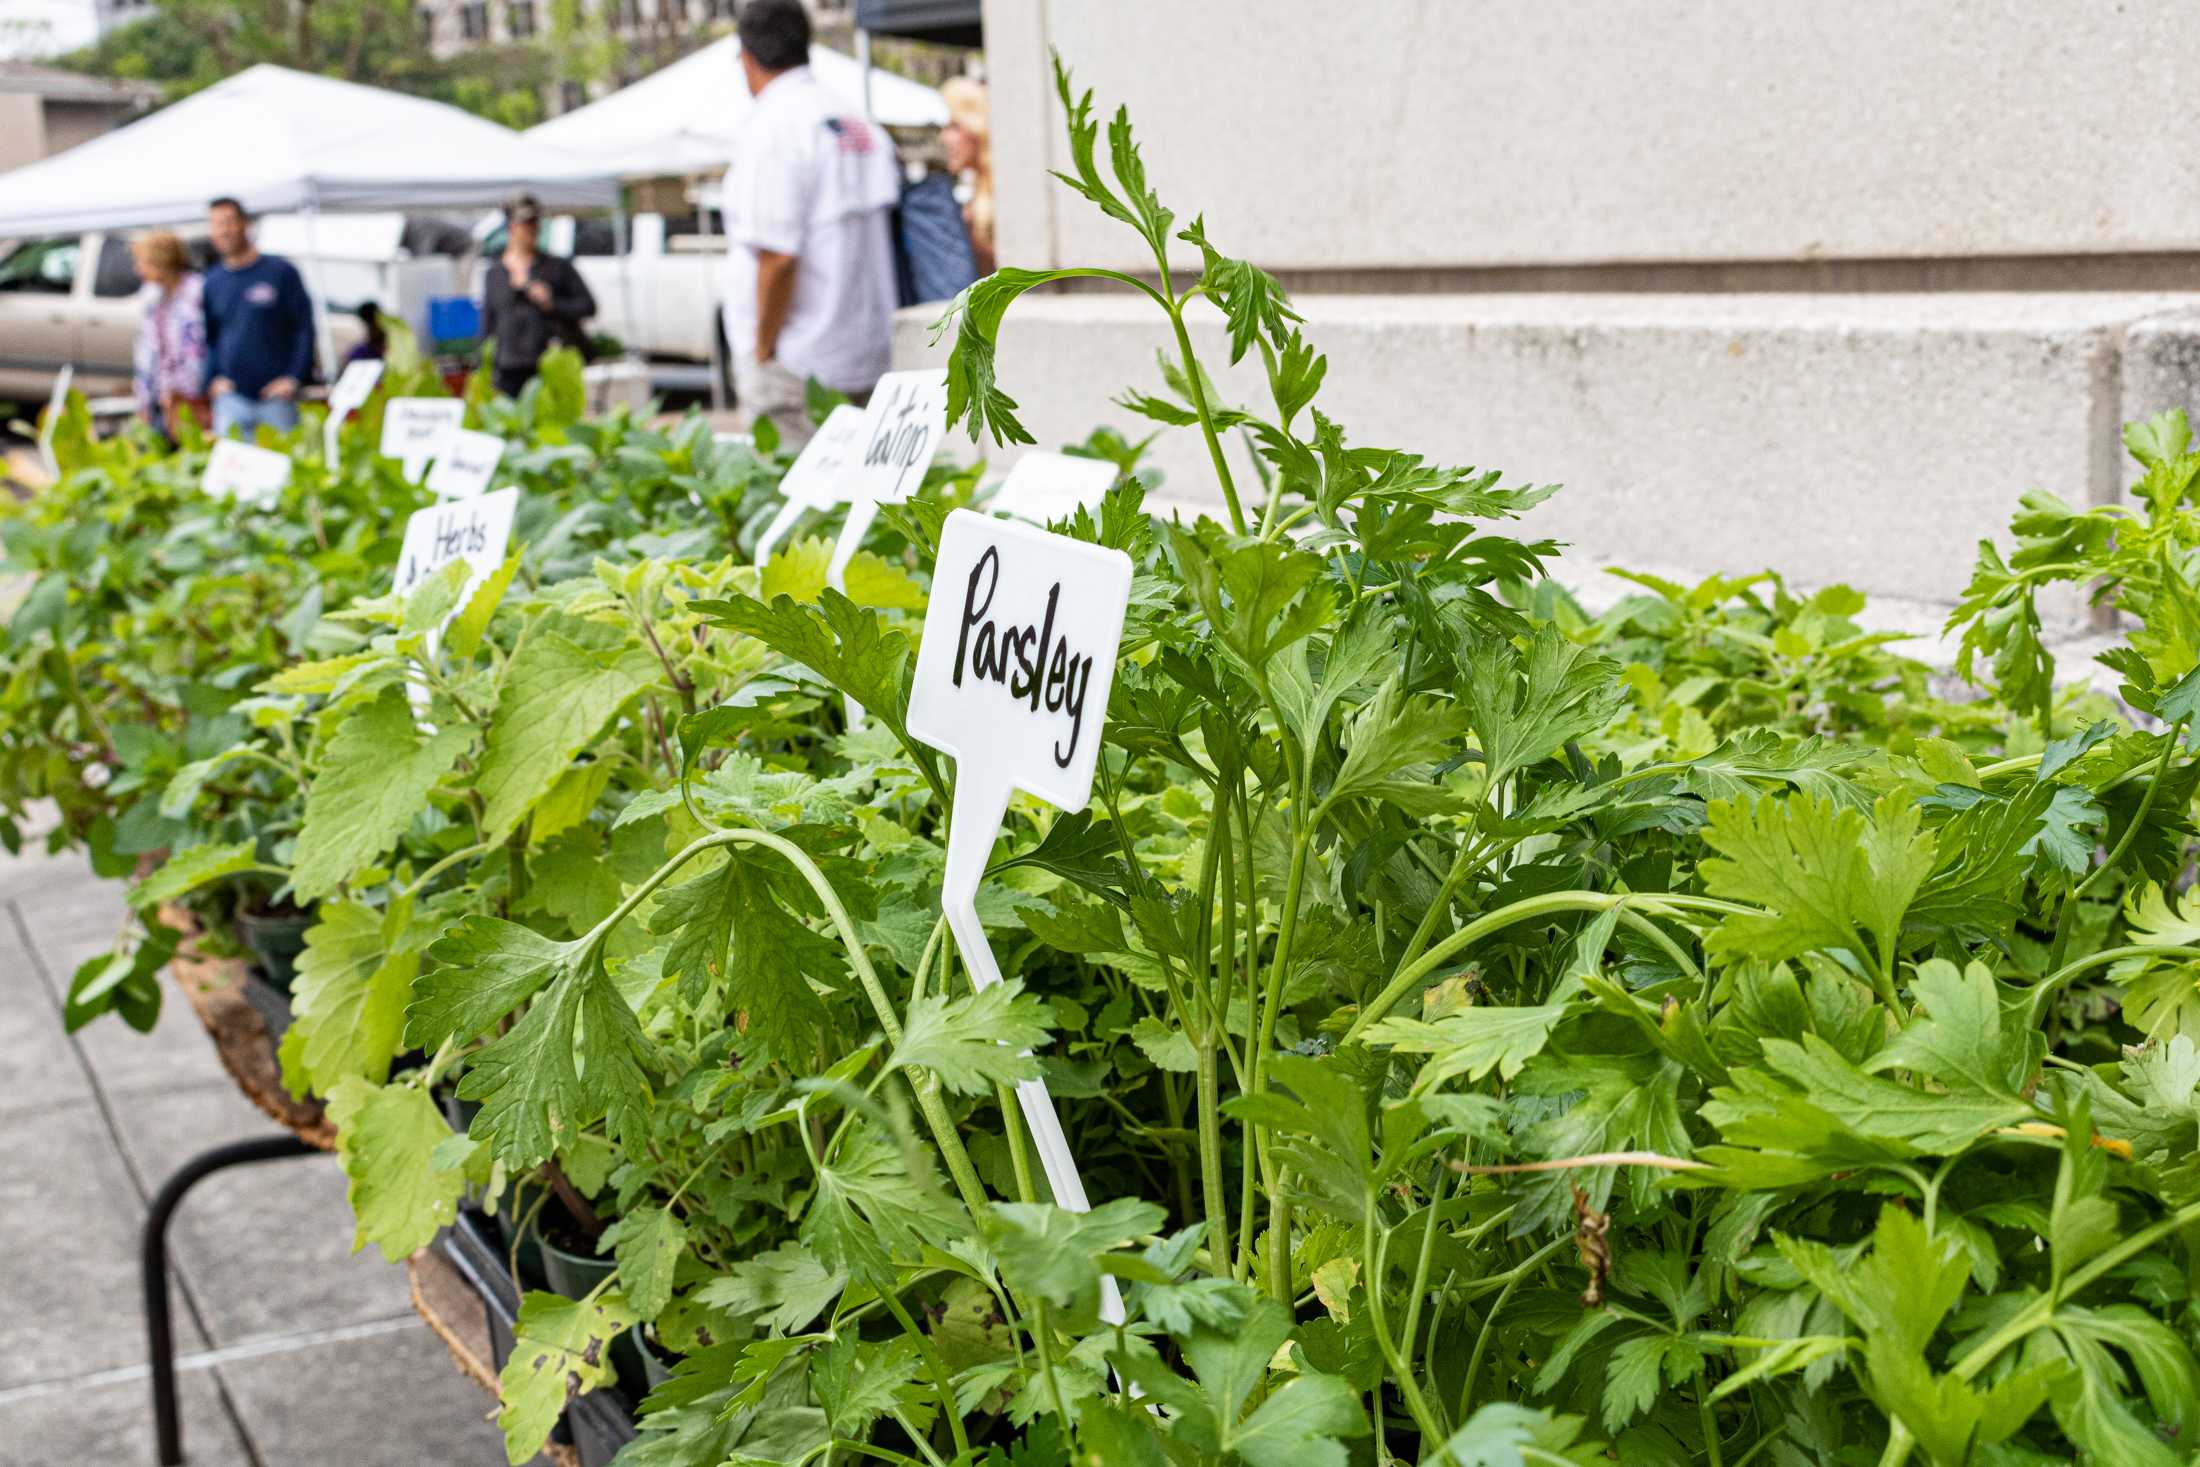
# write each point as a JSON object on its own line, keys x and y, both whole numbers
{"x": 416, "y": 429}
{"x": 1018, "y": 654}
{"x": 466, "y": 465}
{"x": 237, "y": 470}
{"x": 1045, "y": 486}
{"x": 1012, "y": 679}
{"x": 906, "y": 421}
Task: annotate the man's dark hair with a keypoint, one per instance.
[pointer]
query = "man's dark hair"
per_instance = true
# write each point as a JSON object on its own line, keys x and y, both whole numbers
{"x": 226, "y": 202}
{"x": 776, "y": 33}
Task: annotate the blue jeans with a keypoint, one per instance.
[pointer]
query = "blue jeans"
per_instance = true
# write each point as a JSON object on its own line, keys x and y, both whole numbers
{"x": 235, "y": 410}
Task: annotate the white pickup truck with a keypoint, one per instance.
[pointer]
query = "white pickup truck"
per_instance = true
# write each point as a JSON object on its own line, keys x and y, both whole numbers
{"x": 659, "y": 300}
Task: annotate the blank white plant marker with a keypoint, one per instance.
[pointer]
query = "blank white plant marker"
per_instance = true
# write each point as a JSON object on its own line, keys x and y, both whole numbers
{"x": 822, "y": 475}
{"x": 415, "y": 429}
{"x": 1012, "y": 680}
{"x": 56, "y": 403}
{"x": 353, "y": 387}
{"x": 1046, "y": 486}
{"x": 246, "y": 471}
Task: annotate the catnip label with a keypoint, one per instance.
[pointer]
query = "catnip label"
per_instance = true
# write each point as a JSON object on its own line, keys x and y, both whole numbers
{"x": 906, "y": 421}
{"x": 239, "y": 470}
{"x": 1044, "y": 487}
{"x": 415, "y": 430}
{"x": 466, "y": 465}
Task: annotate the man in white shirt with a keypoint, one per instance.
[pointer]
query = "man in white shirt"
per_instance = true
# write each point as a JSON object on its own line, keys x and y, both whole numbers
{"x": 810, "y": 276}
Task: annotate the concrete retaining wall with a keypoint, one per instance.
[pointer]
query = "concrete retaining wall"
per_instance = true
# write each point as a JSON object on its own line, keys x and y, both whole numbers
{"x": 1431, "y": 133}
{"x": 1871, "y": 440}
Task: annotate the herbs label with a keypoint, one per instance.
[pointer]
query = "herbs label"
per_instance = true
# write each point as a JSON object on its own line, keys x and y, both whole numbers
{"x": 907, "y": 420}
{"x": 350, "y": 393}
{"x": 416, "y": 429}
{"x": 239, "y": 470}
{"x": 822, "y": 475}
{"x": 1012, "y": 681}
{"x": 473, "y": 530}
{"x": 1045, "y": 486}
{"x": 466, "y": 465}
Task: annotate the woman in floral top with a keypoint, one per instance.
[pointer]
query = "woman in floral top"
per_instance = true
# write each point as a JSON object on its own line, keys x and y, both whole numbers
{"x": 170, "y": 357}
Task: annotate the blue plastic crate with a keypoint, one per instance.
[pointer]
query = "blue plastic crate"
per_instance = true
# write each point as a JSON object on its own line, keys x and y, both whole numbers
{"x": 453, "y": 318}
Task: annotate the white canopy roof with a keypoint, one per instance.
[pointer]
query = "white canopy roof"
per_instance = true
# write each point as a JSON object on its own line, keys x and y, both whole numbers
{"x": 683, "y": 119}
{"x": 283, "y": 141}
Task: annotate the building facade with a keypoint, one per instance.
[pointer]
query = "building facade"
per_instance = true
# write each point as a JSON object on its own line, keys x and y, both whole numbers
{"x": 44, "y": 111}
{"x": 1779, "y": 285}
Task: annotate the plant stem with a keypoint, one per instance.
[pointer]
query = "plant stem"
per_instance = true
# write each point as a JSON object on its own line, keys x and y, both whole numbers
{"x": 2064, "y": 920}
{"x": 942, "y": 1379}
{"x": 1198, "y": 390}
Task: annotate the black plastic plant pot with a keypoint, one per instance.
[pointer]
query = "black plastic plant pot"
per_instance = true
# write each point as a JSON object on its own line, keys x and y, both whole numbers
{"x": 275, "y": 939}
{"x": 574, "y": 1274}
{"x": 642, "y": 1364}
{"x": 597, "y": 1424}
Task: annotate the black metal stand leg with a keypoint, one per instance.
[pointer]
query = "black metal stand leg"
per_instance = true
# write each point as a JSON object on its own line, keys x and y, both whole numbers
{"x": 167, "y": 1425}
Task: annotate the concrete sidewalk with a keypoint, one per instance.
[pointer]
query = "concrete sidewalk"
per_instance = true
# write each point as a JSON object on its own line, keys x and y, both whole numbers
{"x": 292, "y": 1352}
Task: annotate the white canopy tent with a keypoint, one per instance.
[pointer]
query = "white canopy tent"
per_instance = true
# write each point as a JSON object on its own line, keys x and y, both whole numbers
{"x": 285, "y": 142}
{"x": 683, "y": 119}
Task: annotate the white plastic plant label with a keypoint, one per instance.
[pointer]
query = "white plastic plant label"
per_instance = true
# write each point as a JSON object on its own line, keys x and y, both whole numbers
{"x": 57, "y": 402}
{"x": 907, "y": 421}
{"x": 1012, "y": 680}
{"x": 350, "y": 393}
{"x": 474, "y": 530}
{"x": 466, "y": 465}
{"x": 239, "y": 470}
{"x": 1044, "y": 487}
{"x": 822, "y": 475}
{"x": 414, "y": 430}
{"x": 354, "y": 385}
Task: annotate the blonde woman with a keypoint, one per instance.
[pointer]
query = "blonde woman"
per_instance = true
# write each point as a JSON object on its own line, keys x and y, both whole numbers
{"x": 970, "y": 159}
{"x": 169, "y": 359}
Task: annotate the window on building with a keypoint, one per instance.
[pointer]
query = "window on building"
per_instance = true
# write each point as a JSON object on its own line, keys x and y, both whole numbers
{"x": 720, "y": 9}
{"x": 625, "y": 15}
{"x": 571, "y": 94}
{"x": 519, "y": 16}
{"x": 473, "y": 20}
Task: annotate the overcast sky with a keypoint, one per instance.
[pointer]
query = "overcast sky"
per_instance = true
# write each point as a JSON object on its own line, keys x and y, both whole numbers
{"x": 33, "y": 28}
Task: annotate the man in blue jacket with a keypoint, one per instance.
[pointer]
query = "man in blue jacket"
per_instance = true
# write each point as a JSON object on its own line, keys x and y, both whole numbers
{"x": 259, "y": 328}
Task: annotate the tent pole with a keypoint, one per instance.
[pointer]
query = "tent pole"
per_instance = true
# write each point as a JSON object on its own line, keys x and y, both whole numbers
{"x": 717, "y": 312}
{"x": 863, "y": 58}
{"x": 625, "y": 245}
{"x": 322, "y": 345}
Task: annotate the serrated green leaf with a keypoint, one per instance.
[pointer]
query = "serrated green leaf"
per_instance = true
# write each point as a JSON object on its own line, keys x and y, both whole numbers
{"x": 975, "y": 1041}
{"x": 386, "y": 1136}
{"x": 566, "y": 681}
{"x": 561, "y": 1349}
{"x": 188, "y": 870}
{"x": 373, "y": 779}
